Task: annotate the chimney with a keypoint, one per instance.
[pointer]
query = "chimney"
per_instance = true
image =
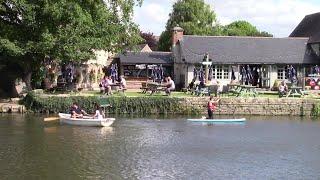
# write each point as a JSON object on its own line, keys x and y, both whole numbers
{"x": 177, "y": 34}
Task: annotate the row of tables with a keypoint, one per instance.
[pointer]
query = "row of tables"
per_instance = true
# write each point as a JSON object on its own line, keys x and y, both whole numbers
{"x": 248, "y": 90}
{"x": 236, "y": 89}
{"x": 251, "y": 91}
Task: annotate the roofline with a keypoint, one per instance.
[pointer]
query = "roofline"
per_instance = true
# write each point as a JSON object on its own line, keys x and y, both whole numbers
{"x": 153, "y": 52}
{"x": 133, "y": 63}
{"x": 248, "y": 37}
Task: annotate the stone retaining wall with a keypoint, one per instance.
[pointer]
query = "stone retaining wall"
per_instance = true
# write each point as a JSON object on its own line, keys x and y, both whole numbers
{"x": 257, "y": 106}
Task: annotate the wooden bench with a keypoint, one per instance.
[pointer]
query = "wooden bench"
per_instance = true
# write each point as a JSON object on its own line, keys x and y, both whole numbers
{"x": 144, "y": 87}
{"x": 122, "y": 90}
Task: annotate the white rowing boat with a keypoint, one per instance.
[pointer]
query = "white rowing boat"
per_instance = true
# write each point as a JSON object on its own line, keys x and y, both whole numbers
{"x": 86, "y": 121}
{"x": 219, "y": 120}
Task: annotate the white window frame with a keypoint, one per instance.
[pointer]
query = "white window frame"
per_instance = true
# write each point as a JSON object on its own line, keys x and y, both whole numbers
{"x": 220, "y": 72}
{"x": 281, "y": 73}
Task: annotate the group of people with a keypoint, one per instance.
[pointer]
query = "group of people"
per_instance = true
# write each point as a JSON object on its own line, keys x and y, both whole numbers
{"x": 77, "y": 112}
{"x": 198, "y": 88}
{"x": 106, "y": 83}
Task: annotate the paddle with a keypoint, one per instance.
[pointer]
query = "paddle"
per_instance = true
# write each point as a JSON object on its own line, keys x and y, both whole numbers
{"x": 51, "y": 118}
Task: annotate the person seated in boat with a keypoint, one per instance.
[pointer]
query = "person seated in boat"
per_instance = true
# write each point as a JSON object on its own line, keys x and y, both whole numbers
{"x": 170, "y": 86}
{"x": 99, "y": 114}
{"x": 212, "y": 105}
{"x": 76, "y": 111}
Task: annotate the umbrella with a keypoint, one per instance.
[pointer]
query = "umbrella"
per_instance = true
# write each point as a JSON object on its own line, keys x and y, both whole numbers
{"x": 195, "y": 73}
{"x": 210, "y": 73}
{"x": 158, "y": 74}
{"x": 249, "y": 74}
{"x": 201, "y": 75}
{"x": 293, "y": 74}
{"x": 233, "y": 77}
{"x": 317, "y": 69}
{"x": 153, "y": 74}
{"x": 114, "y": 72}
{"x": 161, "y": 72}
{"x": 243, "y": 75}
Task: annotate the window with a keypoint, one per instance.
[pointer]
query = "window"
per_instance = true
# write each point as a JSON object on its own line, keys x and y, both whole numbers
{"x": 281, "y": 73}
{"x": 220, "y": 72}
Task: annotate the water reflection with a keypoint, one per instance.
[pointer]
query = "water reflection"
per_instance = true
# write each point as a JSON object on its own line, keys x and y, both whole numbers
{"x": 160, "y": 148}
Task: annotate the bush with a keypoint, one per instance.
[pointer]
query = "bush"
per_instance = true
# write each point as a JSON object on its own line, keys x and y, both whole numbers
{"x": 120, "y": 105}
{"x": 315, "y": 110}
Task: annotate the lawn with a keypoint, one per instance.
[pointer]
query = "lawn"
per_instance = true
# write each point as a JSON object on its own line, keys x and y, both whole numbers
{"x": 137, "y": 93}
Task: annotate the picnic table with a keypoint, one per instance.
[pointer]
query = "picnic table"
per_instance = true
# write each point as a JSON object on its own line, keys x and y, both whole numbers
{"x": 116, "y": 87}
{"x": 234, "y": 88}
{"x": 295, "y": 91}
{"x": 152, "y": 87}
{"x": 247, "y": 90}
{"x": 155, "y": 87}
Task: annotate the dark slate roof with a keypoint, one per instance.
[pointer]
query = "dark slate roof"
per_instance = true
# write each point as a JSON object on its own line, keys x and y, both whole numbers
{"x": 309, "y": 27}
{"x": 155, "y": 57}
{"x": 245, "y": 50}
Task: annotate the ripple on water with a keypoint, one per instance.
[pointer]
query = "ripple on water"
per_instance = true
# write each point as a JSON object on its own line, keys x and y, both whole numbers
{"x": 160, "y": 149}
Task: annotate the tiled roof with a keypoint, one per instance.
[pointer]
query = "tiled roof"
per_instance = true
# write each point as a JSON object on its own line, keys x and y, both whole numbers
{"x": 253, "y": 50}
{"x": 155, "y": 57}
{"x": 309, "y": 27}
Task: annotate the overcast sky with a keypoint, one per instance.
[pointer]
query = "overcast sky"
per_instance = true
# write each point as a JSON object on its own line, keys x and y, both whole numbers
{"x": 278, "y": 17}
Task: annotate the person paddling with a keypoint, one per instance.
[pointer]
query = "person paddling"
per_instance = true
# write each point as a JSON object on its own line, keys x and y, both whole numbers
{"x": 76, "y": 111}
{"x": 212, "y": 104}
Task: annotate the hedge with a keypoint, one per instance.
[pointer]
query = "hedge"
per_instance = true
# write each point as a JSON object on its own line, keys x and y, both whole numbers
{"x": 120, "y": 105}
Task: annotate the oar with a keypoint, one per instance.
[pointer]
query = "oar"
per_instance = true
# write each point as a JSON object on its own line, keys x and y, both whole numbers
{"x": 51, "y": 118}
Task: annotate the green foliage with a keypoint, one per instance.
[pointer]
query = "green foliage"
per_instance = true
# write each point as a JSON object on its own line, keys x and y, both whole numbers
{"x": 63, "y": 30}
{"x": 197, "y": 18}
{"x": 315, "y": 110}
{"x": 164, "y": 41}
{"x": 194, "y": 16}
{"x": 243, "y": 28}
{"x": 120, "y": 105}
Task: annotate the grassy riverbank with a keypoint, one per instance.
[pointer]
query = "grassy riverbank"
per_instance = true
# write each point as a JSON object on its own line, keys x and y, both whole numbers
{"x": 177, "y": 103}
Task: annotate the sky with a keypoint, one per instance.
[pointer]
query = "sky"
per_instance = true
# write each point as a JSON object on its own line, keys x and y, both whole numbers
{"x": 278, "y": 17}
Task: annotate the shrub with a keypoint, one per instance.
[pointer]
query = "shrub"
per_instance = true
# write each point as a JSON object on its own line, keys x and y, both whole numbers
{"x": 315, "y": 110}
{"x": 120, "y": 105}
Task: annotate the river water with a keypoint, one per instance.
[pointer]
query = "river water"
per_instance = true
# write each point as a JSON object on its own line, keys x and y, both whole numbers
{"x": 160, "y": 148}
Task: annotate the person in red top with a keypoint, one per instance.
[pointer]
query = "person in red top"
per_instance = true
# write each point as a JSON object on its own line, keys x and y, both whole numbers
{"x": 212, "y": 104}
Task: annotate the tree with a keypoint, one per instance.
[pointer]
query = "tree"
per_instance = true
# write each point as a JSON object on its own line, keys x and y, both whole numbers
{"x": 149, "y": 39}
{"x": 194, "y": 16}
{"x": 64, "y": 30}
{"x": 243, "y": 28}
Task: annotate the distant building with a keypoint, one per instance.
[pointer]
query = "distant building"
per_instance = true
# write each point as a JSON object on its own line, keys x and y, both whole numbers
{"x": 269, "y": 57}
{"x": 309, "y": 27}
{"x": 138, "y": 65}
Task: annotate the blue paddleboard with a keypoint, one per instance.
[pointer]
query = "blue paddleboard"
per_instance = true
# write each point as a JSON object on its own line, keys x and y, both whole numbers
{"x": 218, "y": 120}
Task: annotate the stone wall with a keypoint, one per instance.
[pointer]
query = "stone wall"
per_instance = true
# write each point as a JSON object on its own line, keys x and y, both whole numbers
{"x": 257, "y": 106}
